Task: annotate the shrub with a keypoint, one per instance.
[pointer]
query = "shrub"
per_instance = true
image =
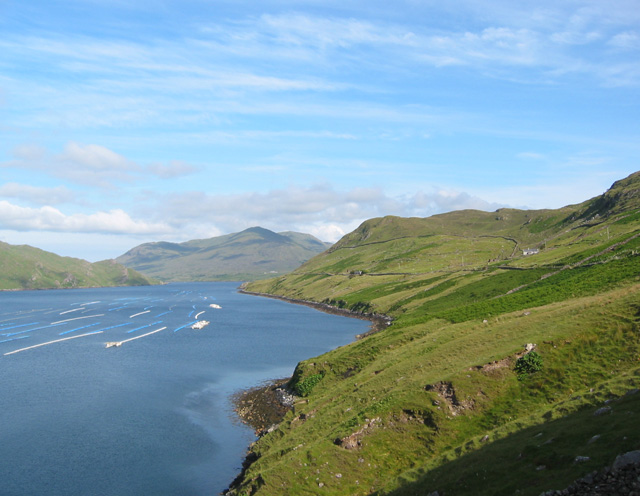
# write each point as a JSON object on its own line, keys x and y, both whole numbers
{"x": 528, "y": 364}
{"x": 304, "y": 387}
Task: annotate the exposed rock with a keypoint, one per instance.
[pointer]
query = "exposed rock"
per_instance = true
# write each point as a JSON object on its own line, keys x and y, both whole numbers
{"x": 264, "y": 407}
{"x": 505, "y": 362}
{"x": 354, "y": 440}
{"x": 630, "y": 458}
{"x": 602, "y": 411}
{"x": 446, "y": 391}
{"x": 594, "y": 439}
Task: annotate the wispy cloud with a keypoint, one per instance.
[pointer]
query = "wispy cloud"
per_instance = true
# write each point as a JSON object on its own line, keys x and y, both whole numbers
{"x": 38, "y": 195}
{"x": 91, "y": 165}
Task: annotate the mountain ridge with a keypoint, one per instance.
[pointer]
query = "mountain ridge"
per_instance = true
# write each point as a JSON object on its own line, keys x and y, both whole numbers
{"x": 251, "y": 254}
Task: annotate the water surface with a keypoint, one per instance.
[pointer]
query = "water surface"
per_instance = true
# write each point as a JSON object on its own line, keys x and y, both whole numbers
{"x": 153, "y": 416}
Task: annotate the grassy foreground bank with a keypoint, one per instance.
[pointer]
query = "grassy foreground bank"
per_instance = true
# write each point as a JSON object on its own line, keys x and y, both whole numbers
{"x": 434, "y": 401}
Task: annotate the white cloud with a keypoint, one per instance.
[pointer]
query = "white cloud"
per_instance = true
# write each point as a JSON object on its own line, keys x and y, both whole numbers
{"x": 47, "y": 218}
{"x": 95, "y": 158}
{"x": 92, "y": 165}
{"x": 321, "y": 209}
{"x": 173, "y": 169}
{"x": 37, "y": 195}
{"x": 628, "y": 40}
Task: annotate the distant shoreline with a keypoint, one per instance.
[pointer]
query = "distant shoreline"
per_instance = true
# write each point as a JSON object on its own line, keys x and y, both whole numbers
{"x": 378, "y": 321}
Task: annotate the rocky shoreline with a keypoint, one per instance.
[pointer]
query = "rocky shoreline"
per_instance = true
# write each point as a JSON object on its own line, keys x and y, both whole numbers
{"x": 261, "y": 408}
{"x": 265, "y": 406}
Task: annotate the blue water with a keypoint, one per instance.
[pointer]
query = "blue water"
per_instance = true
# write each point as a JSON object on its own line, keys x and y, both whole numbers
{"x": 152, "y": 417}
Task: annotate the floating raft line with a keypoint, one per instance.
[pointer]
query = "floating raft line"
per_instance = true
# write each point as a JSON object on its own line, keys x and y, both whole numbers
{"x": 198, "y": 314}
{"x": 117, "y": 344}
{"x": 78, "y": 328}
{"x": 77, "y": 318}
{"x": 16, "y": 326}
{"x": 14, "y": 339}
{"x": 51, "y": 342}
{"x": 145, "y": 326}
{"x": 186, "y": 325}
{"x": 139, "y": 313}
{"x": 72, "y": 310}
{"x": 29, "y": 330}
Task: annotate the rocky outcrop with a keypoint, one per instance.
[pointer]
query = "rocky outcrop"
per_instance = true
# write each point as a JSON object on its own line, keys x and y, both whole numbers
{"x": 447, "y": 395}
{"x": 265, "y": 406}
{"x": 354, "y": 440}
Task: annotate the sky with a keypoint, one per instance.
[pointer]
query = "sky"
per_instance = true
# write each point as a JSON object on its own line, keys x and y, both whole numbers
{"x": 129, "y": 122}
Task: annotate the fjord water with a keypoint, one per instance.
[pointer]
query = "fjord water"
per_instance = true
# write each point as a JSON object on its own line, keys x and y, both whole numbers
{"x": 152, "y": 416}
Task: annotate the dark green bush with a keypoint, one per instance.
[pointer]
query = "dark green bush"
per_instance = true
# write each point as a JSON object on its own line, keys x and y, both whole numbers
{"x": 304, "y": 387}
{"x": 528, "y": 364}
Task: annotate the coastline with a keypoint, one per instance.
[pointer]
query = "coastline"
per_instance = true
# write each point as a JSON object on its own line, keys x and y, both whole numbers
{"x": 264, "y": 407}
{"x": 378, "y": 321}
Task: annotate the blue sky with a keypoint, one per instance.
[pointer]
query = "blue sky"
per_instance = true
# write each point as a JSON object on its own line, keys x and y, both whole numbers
{"x": 127, "y": 122}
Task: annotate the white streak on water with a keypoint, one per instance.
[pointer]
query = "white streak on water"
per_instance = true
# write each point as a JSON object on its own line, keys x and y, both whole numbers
{"x": 69, "y": 311}
{"x": 51, "y": 342}
{"x": 77, "y": 318}
{"x": 140, "y": 313}
{"x": 186, "y": 325}
{"x": 78, "y": 328}
{"x": 148, "y": 325}
{"x": 143, "y": 335}
{"x": 14, "y": 339}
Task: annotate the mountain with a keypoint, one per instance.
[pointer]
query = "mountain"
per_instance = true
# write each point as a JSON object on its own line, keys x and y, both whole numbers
{"x": 248, "y": 255}
{"x": 509, "y": 367}
{"x": 26, "y": 267}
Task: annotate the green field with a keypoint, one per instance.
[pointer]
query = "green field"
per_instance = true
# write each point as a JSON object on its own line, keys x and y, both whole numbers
{"x": 433, "y": 402}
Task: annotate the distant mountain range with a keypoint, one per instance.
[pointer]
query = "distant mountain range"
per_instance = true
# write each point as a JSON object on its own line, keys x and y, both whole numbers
{"x": 26, "y": 267}
{"x": 252, "y": 254}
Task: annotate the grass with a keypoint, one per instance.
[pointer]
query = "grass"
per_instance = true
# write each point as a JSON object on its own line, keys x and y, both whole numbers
{"x": 434, "y": 402}
{"x": 584, "y": 343}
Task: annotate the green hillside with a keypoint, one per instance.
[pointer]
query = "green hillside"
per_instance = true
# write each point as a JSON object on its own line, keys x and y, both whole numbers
{"x": 26, "y": 267}
{"x": 449, "y": 398}
{"x": 254, "y": 253}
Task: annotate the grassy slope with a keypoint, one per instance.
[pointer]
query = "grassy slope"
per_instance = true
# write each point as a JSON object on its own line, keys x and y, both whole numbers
{"x": 25, "y": 267}
{"x": 251, "y": 254}
{"x": 465, "y": 302}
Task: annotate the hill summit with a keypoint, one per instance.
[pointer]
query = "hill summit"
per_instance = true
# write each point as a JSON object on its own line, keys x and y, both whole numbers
{"x": 247, "y": 255}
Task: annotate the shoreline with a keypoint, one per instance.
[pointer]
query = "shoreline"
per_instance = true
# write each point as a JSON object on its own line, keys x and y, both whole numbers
{"x": 378, "y": 321}
{"x": 263, "y": 407}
